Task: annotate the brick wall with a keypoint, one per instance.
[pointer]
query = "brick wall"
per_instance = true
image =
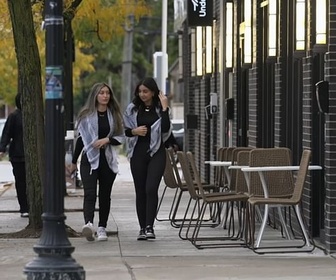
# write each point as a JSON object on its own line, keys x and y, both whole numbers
{"x": 234, "y": 123}
{"x": 277, "y": 106}
{"x": 307, "y": 133}
{"x": 330, "y": 140}
{"x": 253, "y": 108}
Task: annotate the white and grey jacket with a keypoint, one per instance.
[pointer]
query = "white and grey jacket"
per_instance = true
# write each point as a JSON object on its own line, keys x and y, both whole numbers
{"x": 157, "y": 138}
{"x": 88, "y": 129}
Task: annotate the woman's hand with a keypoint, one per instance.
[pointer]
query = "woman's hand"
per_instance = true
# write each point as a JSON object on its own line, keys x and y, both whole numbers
{"x": 140, "y": 130}
{"x": 164, "y": 101}
{"x": 101, "y": 143}
{"x": 72, "y": 168}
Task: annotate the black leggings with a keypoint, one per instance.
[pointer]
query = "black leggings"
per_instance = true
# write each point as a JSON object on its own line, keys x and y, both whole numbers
{"x": 147, "y": 173}
{"x": 19, "y": 172}
{"x": 106, "y": 177}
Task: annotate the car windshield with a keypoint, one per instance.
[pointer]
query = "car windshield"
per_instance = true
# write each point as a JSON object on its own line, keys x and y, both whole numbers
{"x": 177, "y": 126}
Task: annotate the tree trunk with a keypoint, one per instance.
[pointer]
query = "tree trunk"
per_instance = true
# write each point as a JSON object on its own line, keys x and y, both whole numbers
{"x": 29, "y": 76}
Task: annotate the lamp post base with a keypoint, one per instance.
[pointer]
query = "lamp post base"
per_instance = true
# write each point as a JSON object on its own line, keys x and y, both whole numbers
{"x": 54, "y": 267}
{"x": 54, "y": 251}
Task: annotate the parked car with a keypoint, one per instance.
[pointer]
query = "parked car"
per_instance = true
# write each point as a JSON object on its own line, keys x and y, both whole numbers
{"x": 178, "y": 132}
{"x": 2, "y": 125}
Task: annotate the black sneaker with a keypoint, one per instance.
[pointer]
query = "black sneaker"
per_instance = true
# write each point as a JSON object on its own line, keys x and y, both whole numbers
{"x": 150, "y": 232}
{"x": 142, "y": 235}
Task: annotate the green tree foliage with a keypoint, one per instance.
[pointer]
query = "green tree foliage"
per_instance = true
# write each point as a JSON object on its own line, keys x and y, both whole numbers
{"x": 148, "y": 36}
{"x": 100, "y": 26}
{"x": 108, "y": 50}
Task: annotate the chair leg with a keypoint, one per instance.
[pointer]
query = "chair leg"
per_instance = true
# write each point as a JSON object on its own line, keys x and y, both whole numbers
{"x": 190, "y": 224}
{"x": 159, "y": 206}
{"x": 303, "y": 228}
{"x": 228, "y": 209}
{"x": 215, "y": 213}
{"x": 242, "y": 212}
{"x": 250, "y": 231}
{"x": 198, "y": 224}
{"x": 283, "y": 223}
{"x": 184, "y": 220}
{"x": 173, "y": 220}
{"x": 247, "y": 224}
{"x": 262, "y": 227}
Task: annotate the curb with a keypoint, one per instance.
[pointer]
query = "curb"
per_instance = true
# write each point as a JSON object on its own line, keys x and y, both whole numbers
{"x": 4, "y": 186}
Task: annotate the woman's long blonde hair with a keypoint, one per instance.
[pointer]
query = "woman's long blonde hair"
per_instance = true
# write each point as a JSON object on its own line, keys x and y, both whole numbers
{"x": 91, "y": 103}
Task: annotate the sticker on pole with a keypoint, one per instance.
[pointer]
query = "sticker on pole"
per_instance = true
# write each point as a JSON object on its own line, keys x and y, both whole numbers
{"x": 54, "y": 89}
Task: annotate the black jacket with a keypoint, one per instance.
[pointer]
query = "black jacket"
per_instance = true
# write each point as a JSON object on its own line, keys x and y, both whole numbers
{"x": 12, "y": 135}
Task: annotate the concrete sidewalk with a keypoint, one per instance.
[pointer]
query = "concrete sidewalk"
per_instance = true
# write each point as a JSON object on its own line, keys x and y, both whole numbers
{"x": 122, "y": 257}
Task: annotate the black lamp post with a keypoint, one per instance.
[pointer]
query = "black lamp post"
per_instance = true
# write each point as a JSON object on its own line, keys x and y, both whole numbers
{"x": 68, "y": 70}
{"x": 54, "y": 250}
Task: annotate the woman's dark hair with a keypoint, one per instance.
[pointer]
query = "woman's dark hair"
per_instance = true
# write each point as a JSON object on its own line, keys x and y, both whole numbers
{"x": 18, "y": 100}
{"x": 151, "y": 84}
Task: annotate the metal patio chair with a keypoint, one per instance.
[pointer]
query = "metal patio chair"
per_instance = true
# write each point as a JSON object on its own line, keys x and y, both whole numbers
{"x": 170, "y": 183}
{"x": 173, "y": 180}
{"x": 205, "y": 200}
{"x": 279, "y": 191}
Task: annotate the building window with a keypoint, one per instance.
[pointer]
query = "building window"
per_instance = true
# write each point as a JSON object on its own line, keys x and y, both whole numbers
{"x": 272, "y": 28}
{"x": 208, "y": 50}
{"x": 247, "y": 32}
{"x": 321, "y": 22}
{"x": 199, "y": 50}
{"x": 300, "y": 25}
{"x": 193, "y": 51}
{"x": 229, "y": 35}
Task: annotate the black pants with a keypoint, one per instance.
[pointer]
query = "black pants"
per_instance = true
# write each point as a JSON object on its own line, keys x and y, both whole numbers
{"x": 147, "y": 173}
{"x": 19, "y": 172}
{"x": 106, "y": 177}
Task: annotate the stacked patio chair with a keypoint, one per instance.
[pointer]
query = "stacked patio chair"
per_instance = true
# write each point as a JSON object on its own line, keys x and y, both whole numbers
{"x": 237, "y": 181}
{"x": 172, "y": 179}
{"x": 204, "y": 201}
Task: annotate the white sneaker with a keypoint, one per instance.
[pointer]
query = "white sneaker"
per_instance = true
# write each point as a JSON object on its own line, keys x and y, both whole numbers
{"x": 101, "y": 233}
{"x": 88, "y": 231}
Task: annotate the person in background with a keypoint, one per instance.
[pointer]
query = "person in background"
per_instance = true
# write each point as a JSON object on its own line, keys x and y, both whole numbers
{"x": 12, "y": 135}
{"x": 100, "y": 129}
{"x": 147, "y": 127}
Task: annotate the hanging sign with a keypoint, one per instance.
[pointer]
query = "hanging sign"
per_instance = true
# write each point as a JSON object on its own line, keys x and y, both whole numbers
{"x": 200, "y": 12}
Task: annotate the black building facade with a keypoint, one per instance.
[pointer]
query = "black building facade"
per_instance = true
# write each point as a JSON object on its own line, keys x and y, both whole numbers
{"x": 263, "y": 74}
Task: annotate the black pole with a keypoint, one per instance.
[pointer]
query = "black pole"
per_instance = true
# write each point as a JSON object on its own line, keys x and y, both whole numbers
{"x": 54, "y": 250}
{"x": 68, "y": 64}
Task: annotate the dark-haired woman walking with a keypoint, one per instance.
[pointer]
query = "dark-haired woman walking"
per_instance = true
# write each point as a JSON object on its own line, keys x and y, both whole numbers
{"x": 147, "y": 127}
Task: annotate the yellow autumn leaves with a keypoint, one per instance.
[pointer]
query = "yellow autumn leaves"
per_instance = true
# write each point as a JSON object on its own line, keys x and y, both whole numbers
{"x": 101, "y": 20}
